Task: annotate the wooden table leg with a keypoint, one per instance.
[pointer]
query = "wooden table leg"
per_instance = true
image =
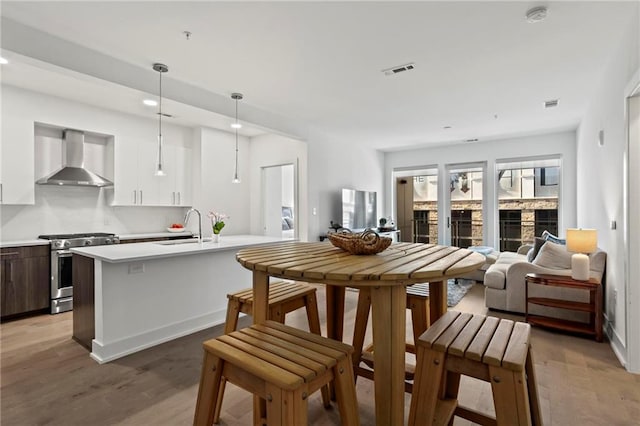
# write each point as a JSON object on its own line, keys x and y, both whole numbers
{"x": 260, "y": 312}
{"x": 335, "y": 319}
{"x": 260, "y": 296}
{"x": 437, "y": 299}
{"x": 335, "y": 311}
{"x": 389, "y": 323}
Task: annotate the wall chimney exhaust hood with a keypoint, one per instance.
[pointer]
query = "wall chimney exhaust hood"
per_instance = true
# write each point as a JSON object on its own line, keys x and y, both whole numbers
{"x": 73, "y": 171}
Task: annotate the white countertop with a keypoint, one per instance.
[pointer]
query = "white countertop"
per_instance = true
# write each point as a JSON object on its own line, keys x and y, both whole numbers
{"x": 22, "y": 243}
{"x": 157, "y": 250}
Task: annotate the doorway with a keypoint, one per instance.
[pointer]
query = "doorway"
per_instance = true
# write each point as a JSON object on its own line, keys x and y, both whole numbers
{"x": 279, "y": 201}
{"x": 417, "y": 206}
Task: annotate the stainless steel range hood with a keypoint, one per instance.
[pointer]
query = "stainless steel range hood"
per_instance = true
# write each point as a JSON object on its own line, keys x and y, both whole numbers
{"x": 73, "y": 171}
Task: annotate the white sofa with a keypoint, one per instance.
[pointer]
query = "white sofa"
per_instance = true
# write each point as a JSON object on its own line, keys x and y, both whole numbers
{"x": 505, "y": 285}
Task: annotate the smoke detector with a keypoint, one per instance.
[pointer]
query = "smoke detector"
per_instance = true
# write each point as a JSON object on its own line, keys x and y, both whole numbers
{"x": 399, "y": 69}
{"x": 536, "y": 14}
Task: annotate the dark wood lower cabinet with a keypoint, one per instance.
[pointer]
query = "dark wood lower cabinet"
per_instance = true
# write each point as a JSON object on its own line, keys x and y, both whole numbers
{"x": 84, "y": 329}
{"x": 25, "y": 284}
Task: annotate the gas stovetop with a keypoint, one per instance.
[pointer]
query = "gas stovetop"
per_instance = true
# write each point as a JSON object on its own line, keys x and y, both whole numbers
{"x": 62, "y": 241}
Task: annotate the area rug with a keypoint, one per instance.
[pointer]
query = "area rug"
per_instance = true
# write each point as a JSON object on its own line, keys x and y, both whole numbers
{"x": 456, "y": 291}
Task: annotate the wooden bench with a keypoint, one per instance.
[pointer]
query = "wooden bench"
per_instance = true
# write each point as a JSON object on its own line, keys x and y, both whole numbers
{"x": 487, "y": 348}
{"x": 284, "y": 297}
{"x": 417, "y": 302}
{"x": 281, "y": 365}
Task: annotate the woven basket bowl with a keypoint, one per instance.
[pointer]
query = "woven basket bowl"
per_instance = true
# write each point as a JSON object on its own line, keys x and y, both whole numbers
{"x": 367, "y": 242}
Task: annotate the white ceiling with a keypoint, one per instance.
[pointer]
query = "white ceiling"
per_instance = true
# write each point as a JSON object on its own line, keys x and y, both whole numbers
{"x": 480, "y": 67}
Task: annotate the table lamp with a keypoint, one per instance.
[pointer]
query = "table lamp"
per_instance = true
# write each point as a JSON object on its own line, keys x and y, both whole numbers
{"x": 581, "y": 242}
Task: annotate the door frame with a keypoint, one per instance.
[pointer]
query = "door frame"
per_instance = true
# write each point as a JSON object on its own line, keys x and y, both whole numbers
{"x": 296, "y": 198}
{"x": 410, "y": 172}
{"x": 631, "y": 223}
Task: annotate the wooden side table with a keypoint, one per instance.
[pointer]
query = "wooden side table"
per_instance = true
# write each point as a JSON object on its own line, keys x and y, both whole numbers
{"x": 594, "y": 306}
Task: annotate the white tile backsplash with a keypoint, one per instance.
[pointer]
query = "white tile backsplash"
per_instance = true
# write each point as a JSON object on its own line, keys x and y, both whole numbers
{"x": 70, "y": 209}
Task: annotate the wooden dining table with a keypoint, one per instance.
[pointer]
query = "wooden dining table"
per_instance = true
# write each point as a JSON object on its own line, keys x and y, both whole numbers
{"x": 386, "y": 274}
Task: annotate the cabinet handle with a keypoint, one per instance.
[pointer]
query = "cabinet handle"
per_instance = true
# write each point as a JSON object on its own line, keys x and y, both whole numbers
{"x": 178, "y": 197}
{"x": 173, "y": 194}
{"x": 135, "y": 197}
{"x": 11, "y": 253}
{"x": 1, "y": 193}
{"x": 141, "y": 196}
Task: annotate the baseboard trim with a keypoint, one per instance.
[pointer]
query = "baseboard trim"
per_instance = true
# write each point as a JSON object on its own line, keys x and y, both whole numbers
{"x": 103, "y": 353}
{"x": 616, "y": 343}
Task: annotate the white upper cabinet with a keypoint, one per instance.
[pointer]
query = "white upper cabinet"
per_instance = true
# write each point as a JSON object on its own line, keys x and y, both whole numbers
{"x": 136, "y": 183}
{"x": 17, "y": 180}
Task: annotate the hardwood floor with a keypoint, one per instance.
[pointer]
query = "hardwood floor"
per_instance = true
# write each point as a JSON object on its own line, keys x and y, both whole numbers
{"x": 48, "y": 379}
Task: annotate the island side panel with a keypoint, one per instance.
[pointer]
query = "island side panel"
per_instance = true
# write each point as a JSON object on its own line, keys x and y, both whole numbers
{"x": 83, "y": 300}
{"x": 145, "y": 303}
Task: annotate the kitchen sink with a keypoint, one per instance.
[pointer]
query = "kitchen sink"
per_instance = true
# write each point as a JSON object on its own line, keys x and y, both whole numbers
{"x": 184, "y": 241}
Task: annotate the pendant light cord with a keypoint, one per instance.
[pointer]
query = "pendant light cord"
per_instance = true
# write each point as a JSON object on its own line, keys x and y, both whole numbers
{"x": 236, "y": 97}
{"x": 236, "y": 139}
{"x": 160, "y": 108}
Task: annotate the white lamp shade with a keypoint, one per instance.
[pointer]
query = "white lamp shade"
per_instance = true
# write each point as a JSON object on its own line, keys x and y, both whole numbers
{"x": 582, "y": 240}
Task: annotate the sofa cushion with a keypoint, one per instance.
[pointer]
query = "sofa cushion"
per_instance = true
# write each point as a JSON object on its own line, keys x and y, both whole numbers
{"x": 537, "y": 245}
{"x": 548, "y": 236}
{"x": 553, "y": 256}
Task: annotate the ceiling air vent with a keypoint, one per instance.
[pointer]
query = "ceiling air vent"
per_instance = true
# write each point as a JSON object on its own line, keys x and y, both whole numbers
{"x": 164, "y": 114}
{"x": 399, "y": 69}
{"x": 472, "y": 140}
{"x": 551, "y": 104}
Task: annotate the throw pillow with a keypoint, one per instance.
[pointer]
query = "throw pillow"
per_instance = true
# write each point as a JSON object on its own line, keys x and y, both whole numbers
{"x": 548, "y": 236}
{"x": 553, "y": 256}
{"x": 537, "y": 244}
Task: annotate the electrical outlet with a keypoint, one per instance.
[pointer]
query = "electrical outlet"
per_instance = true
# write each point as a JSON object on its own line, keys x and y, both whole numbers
{"x": 136, "y": 268}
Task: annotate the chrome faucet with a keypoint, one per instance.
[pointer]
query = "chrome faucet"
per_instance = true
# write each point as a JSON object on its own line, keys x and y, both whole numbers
{"x": 186, "y": 219}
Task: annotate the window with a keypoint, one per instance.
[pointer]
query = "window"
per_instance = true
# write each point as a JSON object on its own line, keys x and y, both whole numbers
{"x": 527, "y": 200}
{"x": 549, "y": 176}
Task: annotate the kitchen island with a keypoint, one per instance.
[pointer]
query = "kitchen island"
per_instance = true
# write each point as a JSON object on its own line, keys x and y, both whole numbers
{"x": 129, "y": 297}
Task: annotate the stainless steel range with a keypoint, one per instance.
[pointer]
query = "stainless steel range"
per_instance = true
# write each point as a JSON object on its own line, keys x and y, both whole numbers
{"x": 61, "y": 267}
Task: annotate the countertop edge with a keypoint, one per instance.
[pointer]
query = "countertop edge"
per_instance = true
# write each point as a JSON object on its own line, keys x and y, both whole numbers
{"x": 161, "y": 251}
{"x": 23, "y": 243}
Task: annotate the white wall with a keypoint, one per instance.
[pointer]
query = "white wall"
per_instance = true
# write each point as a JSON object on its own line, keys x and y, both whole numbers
{"x": 562, "y": 144}
{"x": 600, "y": 194}
{"x": 335, "y": 164}
{"x": 216, "y": 163}
{"x": 74, "y": 209}
{"x": 273, "y": 150}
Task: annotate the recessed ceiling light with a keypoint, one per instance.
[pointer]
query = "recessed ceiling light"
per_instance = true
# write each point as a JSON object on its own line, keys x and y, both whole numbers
{"x": 236, "y": 126}
{"x": 536, "y": 14}
{"x": 3, "y": 61}
{"x": 150, "y": 102}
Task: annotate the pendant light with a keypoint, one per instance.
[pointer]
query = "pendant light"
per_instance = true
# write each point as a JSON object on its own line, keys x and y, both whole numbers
{"x": 236, "y": 126}
{"x": 161, "y": 68}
